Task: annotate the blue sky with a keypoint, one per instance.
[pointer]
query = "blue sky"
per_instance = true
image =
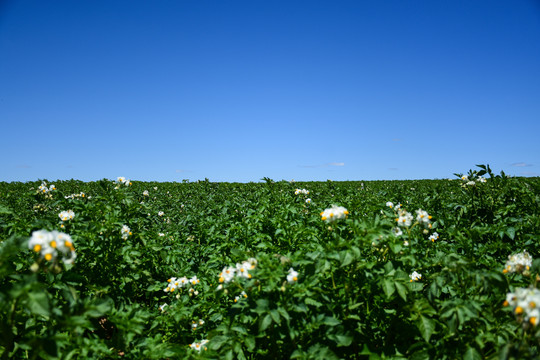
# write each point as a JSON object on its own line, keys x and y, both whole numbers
{"x": 235, "y": 91}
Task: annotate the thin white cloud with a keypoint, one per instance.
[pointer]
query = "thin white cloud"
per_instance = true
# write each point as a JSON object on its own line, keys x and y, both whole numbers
{"x": 393, "y": 169}
{"x": 530, "y": 173}
{"x": 336, "y": 164}
{"x": 521, "y": 164}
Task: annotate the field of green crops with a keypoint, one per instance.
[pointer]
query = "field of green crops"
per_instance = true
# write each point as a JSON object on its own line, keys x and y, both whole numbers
{"x": 423, "y": 269}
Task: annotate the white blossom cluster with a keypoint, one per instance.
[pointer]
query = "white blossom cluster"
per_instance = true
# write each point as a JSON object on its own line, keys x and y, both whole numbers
{"x": 525, "y": 303}
{"x": 66, "y": 215}
{"x": 423, "y": 218}
{"x": 404, "y": 218}
{"x": 44, "y": 188}
{"x": 126, "y": 232}
{"x": 122, "y": 181}
{"x": 199, "y": 345}
{"x": 517, "y": 263}
{"x": 240, "y": 270}
{"x": 301, "y": 192}
{"x": 196, "y": 324}
{"x": 334, "y": 213}
{"x": 242, "y": 295}
{"x": 415, "y": 276}
{"x": 49, "y": 244}
{"x": 76, "y": 196}
{"x": 180, "y": 282}
{"x": 470, "y": 182}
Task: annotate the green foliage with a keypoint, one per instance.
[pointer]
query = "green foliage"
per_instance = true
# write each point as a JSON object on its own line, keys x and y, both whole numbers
{"x": 318, "y": 290}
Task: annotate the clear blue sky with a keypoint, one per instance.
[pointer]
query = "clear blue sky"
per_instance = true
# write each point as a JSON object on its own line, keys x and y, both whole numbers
{"x": 234, "y": 90}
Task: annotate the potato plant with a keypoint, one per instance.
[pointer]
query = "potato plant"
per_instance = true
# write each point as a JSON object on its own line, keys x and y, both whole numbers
{"x": 418, "y": 269}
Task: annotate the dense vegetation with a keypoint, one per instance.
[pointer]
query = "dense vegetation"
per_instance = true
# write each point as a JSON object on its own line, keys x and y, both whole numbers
{"x": 397, "y": 269}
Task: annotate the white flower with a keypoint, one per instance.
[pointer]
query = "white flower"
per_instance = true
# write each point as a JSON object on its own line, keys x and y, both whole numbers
{"x": 146, "y": 193}
{"x": 292, "y": 277}
{"x": 397, "y": 231}
{"x": 239, "y": 297}
{"x": 334, "y": 213}
{"x": 433, "y": 237}
{"x": 517, "y": 263}
{"x": 196, "y": 324}
{"x": 74, "y": 196}
{"x": 525, "y": 302}
{"x": 194, "y": 280}
{"x": 227, "y": 274}
{"x": 423, "y": 217}
{"x": 122, "y": 181}
{"x": 49, "y": 244}
{"x": 301, "y": 192}
{"x": 242, "y": 269}
{"x": 308, "y": 200}
{"x": 43, "y": 187}
{"x": 66, "y": 215}
{"x": 183, "y": 281}
{"x": 481, "y": 179}
{"x": 404, "y": 219}
{"x": 161, "y": 213}
{"x": 162, "y": 307}
{"x": 199, "y": 346}
{"x": 390, "y": 204}
{"x": 415, "y": 276}
{"x": 126, "y": 232}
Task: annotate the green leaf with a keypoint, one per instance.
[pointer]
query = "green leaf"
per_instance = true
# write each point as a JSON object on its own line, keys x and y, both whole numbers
{"x": 250, "y": 342}
{"x": 216, "y": 341}
{"x": 472, "y": 354}
{"x": 275, "y": 316}
{"x": 402, "y": 290}
{"x": 331, "y": 321}
{"x": 347, "y": 259}
{"x": 265, "y": 323}
{"x": 511, "y": 232}
{"x": 240, "y": 330}
{"x": 284, "y": 314}
{"x": 426, "y": 327}
{"x": 310, "y": 301}
{"x": 343, "y": 340}
{"x": 38, "y": 303}
{"x": 388, "y": 287}
{"x": 5, "y": 210}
